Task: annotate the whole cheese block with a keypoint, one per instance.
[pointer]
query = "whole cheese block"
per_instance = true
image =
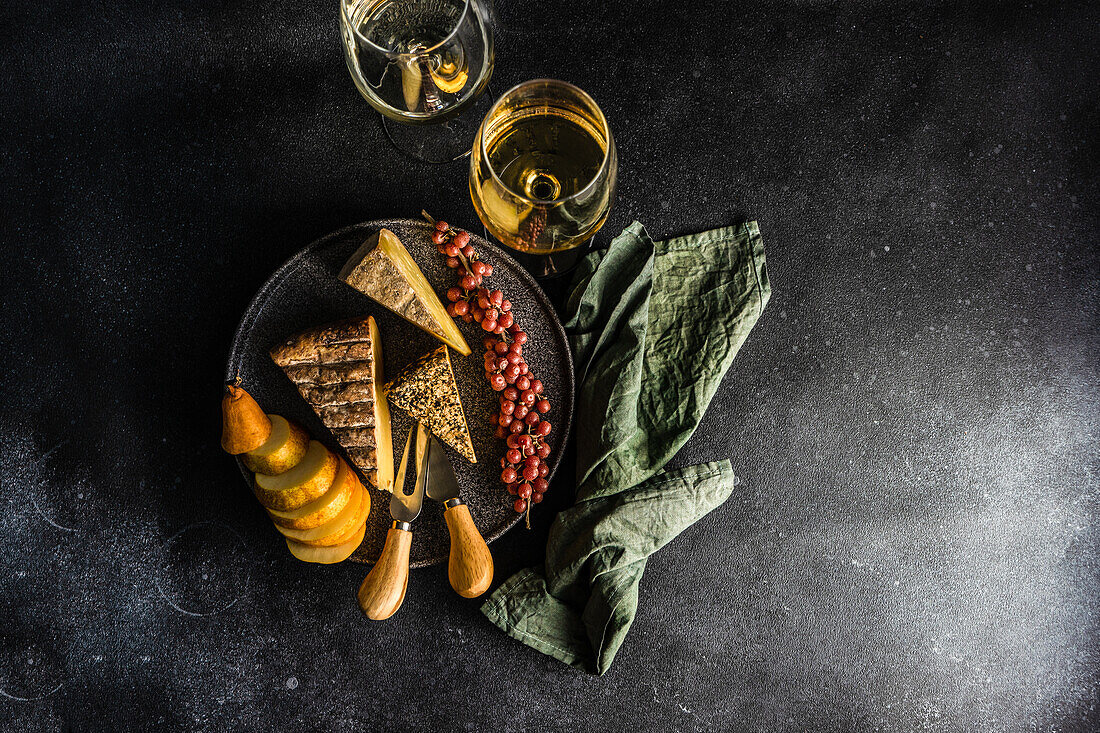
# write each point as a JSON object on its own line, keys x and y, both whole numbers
{"x": 426, "y": 389}
{"x": 384, "y": 270}
{"x": 338, "y": 370}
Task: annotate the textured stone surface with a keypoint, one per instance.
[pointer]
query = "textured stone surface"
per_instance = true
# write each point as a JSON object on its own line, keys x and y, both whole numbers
{"x": 915, "y": 419}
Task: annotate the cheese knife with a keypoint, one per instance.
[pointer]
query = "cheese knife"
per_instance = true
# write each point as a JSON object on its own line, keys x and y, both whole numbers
{"x": 383, "y": 590}
{"x": 470, "y": 569}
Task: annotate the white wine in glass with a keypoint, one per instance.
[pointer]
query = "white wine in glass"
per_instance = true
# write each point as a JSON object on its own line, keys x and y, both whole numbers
{"x": 542, "y": 172}
{"x": 420, "y": 62}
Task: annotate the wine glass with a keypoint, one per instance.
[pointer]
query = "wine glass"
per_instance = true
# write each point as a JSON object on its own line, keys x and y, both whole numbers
{"x": 422, "y": 63}
{"x": 542, "y": 173}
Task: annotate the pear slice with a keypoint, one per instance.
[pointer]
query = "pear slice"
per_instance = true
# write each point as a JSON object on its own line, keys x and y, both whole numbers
{"x": 383, "y": 270}
{"x": 309, "y": 479}
{"x": 285, "y": 446}
{"x": 341, "y": 524}
{"x": 343, "y": 534}
{"x": 327, "y": 555}
{"x": 324, "y": 508}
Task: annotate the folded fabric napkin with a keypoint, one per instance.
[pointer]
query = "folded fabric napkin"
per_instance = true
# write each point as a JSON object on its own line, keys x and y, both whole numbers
{"x": 654, "y": 326}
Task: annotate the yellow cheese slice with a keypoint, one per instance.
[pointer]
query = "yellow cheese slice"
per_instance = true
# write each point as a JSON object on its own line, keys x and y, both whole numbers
{"x": 384, "y": 270}
{"x": 384, "y": 448}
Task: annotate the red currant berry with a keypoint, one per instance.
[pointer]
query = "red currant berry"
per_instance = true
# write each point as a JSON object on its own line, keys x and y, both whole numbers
{"x": 439, "y": 237}
{"x": 513, "y": 456}
{"x": 478, "y": 267}
{"x": 523, "y": 368}
{"x": 482, "y": 301}
{"x": 520, "y": 412}
{"x": 520, "y": 337}
{"x": 513, "y": 488}
{"x": 497, "y": 382}
{"x": 542, "y": 451}
{"x": 451, "y": 310}
{"x": 543, "y": 406}
{"x": 462, "y": 307}
{"x": 500, "y": 348}
{"x": 489, "y": 343}
{"x": 506, "y": 305}
{"x": 505, "y": 319}
{"x": 520, "y": 506}
{"x": 452, "y": 262}
{"x": 510, "y": 441}
{"x": 450, "y": 249}
{"x": 536, "y": 385}
{"x": 513, "y": 357}
{"x": 515, "y": 348}
{"x": 454, "y": 294}
{"x": 442, "y": 226}
{"x": 499, "y": 433}
{"x": 523, "y": 441}
{"x": 531, "y": 461}
{"x": 511, "y": 371}
{"x": 540, "y": 485}
{"x": 502, "y": 364}
{"x": 507, "y": 407}
{"x": 544, "y": 470}
{"x": 527, "y": 395}
{"x": 496, "y": 297}
{"x": 508, "y": 475}
{"x": 488, "y": 270}
{"x": 536, "y": 498}
{"x": 530, "y": 473}
{"x": 505, "y": 420}
{"x": 467, "y": 250}
{"x": 517, "y": 427}
{"x": 544, "y": 427}
{"x": 489, "y": 324}
{"x": 523, "y": 383}
{"x": 467, "y": 318}
{"x": 491, "y": 313}
{"x": 468, "y": 282}
{"x": 525, "y": 491}
{"x": 462, "y": 239}
{"x": 512, "y": 393}
{"x": 532, "y": 418}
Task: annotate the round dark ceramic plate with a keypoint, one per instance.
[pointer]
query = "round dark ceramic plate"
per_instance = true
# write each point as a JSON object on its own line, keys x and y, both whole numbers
{"x": 306, "y": 292}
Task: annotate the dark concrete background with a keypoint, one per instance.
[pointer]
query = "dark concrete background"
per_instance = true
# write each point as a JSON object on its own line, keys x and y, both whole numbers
{"x": 915, "y": 418}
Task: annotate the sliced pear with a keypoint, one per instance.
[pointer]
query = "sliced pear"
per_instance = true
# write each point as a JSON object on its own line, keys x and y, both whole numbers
{"x": 348, "y": 530}
{"x": 285, "y": 446}
{"x": 383, "y": 270}
{"x": 327, "y": 555}
{"x": 341, "y": 524}
{"x": 309, "y": 479}
{"x": 323, "y": 508}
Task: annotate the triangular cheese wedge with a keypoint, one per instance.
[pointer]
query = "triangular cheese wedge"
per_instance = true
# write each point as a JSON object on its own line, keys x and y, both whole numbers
{"x": 338, "y": 370}
{"x": 426, "y": 389}
{"x": 384, "y": 270}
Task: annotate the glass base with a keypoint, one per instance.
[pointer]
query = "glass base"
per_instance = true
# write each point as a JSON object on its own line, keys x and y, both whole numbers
{"x": 440, "y": 143}
{"x": 553, "y": 265}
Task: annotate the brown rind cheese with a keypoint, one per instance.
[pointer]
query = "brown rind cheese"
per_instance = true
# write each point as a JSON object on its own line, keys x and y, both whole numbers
{"x": 332, "y": 366}
{"x": 426, "y": 389}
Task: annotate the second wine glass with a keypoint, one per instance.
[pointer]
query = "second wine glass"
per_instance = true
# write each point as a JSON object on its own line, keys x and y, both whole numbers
{"x": 542, "y": 173}
{"x": 422, "y": 64}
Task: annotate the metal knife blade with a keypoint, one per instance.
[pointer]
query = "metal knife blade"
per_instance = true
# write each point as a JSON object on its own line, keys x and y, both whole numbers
{"x": 442, "y": 484}
{"x": 405, "y": 507}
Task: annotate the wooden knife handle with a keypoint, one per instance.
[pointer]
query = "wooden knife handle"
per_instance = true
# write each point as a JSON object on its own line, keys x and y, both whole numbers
{"x": 471, "y": 566}
{"x": 383, "y": 590}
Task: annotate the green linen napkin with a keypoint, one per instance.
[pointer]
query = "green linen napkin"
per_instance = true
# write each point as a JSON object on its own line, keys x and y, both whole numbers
{"x": 654, "y": 326}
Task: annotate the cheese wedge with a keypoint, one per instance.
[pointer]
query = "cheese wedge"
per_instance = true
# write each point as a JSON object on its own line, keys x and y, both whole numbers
{"x": 283, "y": 449}
{"x": 309, "y": 479}
{"x": 338, "y": 527}
{"x": 426, "y": 389}
{"x": 384, "y": 270}
{"x": 338, "y": 370}
{"x": 323, "y": 508}
{"x": 327, "y": 555}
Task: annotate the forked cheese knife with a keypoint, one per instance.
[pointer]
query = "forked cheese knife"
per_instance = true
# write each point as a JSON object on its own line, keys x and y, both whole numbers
{"x": 470, "y": 569}
{"x": 383, "y": 590}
